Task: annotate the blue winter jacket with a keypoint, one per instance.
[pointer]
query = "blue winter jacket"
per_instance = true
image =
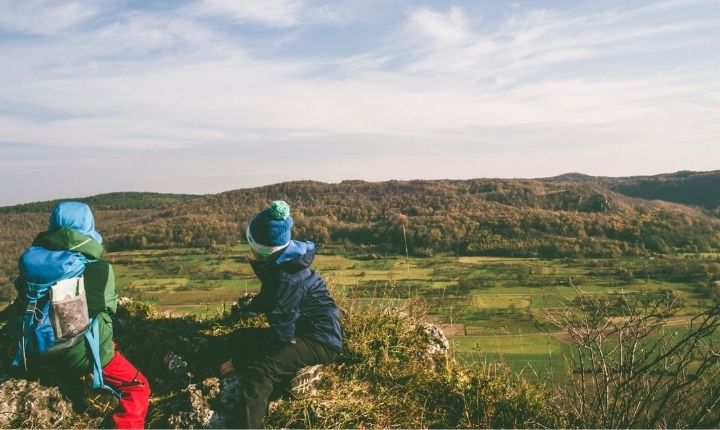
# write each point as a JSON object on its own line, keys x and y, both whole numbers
{"x": 295, "y": 299}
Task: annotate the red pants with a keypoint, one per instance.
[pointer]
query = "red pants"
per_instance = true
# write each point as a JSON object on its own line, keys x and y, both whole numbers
{"x": 120, "y": 374}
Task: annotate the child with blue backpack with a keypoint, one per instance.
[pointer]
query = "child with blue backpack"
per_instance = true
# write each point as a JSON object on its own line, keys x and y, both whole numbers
{"x": 66, "y": 295}
{"x": 304, "y": 319}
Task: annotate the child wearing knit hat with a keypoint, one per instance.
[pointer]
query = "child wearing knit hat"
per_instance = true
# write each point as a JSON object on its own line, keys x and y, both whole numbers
{"x": 304, "y": 320}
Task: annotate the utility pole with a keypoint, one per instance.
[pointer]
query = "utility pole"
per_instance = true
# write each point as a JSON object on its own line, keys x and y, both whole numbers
{"x": 407, "y": 255}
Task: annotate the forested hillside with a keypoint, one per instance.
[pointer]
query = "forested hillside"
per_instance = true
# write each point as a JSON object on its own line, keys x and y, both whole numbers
{"x": 109, "y": 201}
{"x": 489, "y": 217}
{"x": 691, "y": 188}
{"x": 566, "y": 216}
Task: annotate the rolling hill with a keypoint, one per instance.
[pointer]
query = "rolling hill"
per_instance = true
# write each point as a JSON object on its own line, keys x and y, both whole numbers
{"x": 565, "y": 216}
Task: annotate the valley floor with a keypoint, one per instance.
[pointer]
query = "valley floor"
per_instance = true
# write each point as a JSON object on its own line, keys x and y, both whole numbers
{"x": 491, "y": 308}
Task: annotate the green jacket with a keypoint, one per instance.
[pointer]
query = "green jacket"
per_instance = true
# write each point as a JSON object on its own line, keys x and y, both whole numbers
{"x": 100, "y": 291}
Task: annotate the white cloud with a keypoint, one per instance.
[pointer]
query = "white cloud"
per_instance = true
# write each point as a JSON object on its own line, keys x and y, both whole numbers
{"x": 441, "y": 28}
{"x": 284, "y": 13}
{"x": 442, "y": 43}
{"x": 279, "y": 13}
{"x": 44, "y": 16}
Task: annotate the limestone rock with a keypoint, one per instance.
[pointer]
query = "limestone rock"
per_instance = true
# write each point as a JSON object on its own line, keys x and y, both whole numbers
{"x": 192, "y": 407}
{"x": 437, "y": 342}
{"x": 28, "y": 404}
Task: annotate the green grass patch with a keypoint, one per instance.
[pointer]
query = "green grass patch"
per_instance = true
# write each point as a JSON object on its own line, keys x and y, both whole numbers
{"x": 539, "y": 351}
{"x": 491, "y": 297}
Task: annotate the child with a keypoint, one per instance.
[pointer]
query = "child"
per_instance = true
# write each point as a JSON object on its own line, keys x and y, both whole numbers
{"x": 71, "y": 247}
{"x": 304, "y": 319}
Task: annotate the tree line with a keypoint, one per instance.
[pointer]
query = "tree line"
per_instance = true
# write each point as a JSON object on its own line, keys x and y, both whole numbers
{"x": 517, "y": 218}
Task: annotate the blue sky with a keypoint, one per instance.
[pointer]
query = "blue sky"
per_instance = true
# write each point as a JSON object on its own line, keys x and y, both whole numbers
{"x": 204, "y": 96}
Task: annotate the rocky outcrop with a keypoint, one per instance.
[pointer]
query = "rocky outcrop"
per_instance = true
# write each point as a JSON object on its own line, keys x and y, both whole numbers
{"x": 28, "y": 404}
{"x": 180, "y": 357}
{"x": 192, "y": 408}
{"x": 437, "y": 342}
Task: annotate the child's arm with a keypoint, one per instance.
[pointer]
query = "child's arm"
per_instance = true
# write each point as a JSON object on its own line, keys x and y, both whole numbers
{"x": 286, "y": 310}
{"x": 259, "y": 303}
{"x": 252, "y": 304}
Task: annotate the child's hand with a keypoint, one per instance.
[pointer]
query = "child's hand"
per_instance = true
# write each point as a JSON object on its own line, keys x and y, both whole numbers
{"x": 226, "y": 367}
{"x": 239, "y": 309}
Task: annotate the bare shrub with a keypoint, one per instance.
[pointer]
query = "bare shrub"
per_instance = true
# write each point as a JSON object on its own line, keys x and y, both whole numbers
{"x": 638, "y": 362}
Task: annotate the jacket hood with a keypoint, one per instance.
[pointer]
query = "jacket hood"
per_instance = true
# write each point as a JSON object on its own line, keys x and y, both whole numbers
{"x": 293, "y": 258}
{"x": 74, "y": 215}
{"x": 68, "y": 239}
{"x": 297, "y": 252}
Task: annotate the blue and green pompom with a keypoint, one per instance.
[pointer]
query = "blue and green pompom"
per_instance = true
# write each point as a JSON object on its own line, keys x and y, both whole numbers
{"x": 279, "y": 210}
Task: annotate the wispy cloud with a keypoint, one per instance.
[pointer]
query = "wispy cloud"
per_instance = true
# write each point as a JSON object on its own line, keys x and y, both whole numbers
{"x": 44, "y": 16}
{"x": 280, "y": 13}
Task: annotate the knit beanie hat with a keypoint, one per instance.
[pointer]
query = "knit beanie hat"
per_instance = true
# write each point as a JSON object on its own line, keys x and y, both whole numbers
{"x": 269, "y": 231}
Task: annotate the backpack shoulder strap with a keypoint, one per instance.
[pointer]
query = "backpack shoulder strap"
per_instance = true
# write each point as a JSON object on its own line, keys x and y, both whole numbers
{"x": 93, "y": 338}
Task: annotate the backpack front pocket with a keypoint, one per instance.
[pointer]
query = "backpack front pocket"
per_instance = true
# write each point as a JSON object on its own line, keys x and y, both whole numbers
{"x": 69, "y": 314}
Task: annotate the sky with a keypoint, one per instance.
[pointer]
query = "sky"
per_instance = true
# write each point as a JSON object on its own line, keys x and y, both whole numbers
{"x": 204, "y": 96}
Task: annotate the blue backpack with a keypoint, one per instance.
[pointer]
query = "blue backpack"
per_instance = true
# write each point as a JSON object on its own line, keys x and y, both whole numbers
{"x": 56, "y": 318}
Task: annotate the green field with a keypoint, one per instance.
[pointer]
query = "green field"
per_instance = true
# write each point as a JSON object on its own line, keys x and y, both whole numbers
{"x": 538, "y": 352}
{"x": 485, "y": 304}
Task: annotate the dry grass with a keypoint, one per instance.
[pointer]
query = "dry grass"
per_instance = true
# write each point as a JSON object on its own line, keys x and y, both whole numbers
{"x": 383, "y": 377}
